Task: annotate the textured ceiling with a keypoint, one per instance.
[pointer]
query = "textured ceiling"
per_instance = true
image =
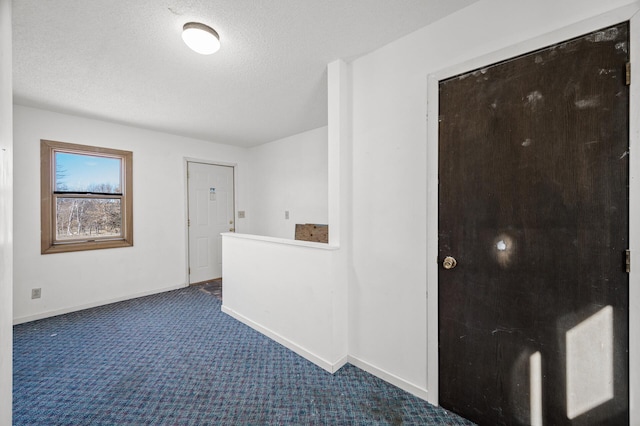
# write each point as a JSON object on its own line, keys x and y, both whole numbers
{"x": 124, "y": 60}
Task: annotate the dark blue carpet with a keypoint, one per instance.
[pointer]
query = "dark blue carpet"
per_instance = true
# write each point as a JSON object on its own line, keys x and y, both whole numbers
{"x": 175, "y": 359}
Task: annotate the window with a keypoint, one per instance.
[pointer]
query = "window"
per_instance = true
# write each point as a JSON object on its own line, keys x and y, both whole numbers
{"x": 86, "y": 197}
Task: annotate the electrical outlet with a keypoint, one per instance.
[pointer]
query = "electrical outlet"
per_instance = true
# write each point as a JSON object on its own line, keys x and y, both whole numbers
{"x": 286, "y": 214}
{"x": 240, "y": 214}
{"x": 36, "y": 293}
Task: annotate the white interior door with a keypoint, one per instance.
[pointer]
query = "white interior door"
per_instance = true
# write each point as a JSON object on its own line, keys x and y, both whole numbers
{"x": 211, "y": 212}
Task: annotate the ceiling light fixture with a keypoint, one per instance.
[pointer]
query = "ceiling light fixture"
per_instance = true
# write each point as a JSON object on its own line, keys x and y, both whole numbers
{"x": 201, "y": 38}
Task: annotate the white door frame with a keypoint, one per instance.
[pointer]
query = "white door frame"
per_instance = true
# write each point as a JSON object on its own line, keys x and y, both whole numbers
{"x": 186, "y": 162}
{"x": 628, "y": 13}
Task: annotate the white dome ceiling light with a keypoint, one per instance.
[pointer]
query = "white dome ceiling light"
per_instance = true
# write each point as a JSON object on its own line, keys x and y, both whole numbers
{"x": 201, "y": 38}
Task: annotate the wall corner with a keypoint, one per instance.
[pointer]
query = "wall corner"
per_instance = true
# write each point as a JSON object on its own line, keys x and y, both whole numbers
{"x": 6, "y": 214}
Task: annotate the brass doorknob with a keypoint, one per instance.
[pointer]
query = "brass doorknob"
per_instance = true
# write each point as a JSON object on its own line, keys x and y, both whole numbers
{"x": 449, "y": 263}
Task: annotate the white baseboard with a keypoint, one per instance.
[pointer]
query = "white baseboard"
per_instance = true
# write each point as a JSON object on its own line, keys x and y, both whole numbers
{"x": 48, "y": 314}
{"x": 331, "y": 367}
{"x": 388, "y": 377}
{"x": 340, "y": 363}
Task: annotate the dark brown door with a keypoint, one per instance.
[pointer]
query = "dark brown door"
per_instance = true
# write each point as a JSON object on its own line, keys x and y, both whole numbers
{"x": 533, "y": 206}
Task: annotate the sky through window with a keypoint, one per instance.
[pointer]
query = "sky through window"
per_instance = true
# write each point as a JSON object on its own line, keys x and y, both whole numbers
{"x": 83, "y": 173}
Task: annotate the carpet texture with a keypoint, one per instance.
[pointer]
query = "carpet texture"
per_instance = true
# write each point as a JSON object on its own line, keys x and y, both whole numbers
{"x": 176, "y": 359}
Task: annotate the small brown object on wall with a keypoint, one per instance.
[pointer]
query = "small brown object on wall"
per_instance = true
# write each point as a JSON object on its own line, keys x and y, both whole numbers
{"x": 312, "y": 232}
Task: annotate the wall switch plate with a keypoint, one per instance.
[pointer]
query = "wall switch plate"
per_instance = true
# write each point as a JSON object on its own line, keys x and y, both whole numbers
{"x": 286, "y": 214}
{"x": 36, "y": 293}
{"x": 240, "y": 214}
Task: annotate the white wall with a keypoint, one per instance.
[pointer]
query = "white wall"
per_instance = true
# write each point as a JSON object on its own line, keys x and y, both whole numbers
{"x": 289, "y": 174}
{"x": 287, "y": 291}
{"x": 156, "y": 262}
{"x": 388, "y": 288}
{"x": 6, "y": 214}
{"x": 295, "y": 291}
